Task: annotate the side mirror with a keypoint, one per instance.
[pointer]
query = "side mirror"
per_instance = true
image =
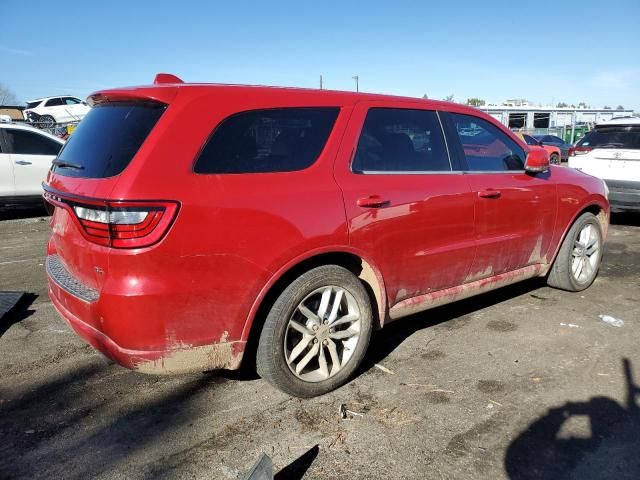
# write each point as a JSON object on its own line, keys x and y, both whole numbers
{"x": 537, "y": 161}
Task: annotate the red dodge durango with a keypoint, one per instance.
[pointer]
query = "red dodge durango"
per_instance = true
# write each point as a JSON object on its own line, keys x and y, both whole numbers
{"x": 197, "y": 223}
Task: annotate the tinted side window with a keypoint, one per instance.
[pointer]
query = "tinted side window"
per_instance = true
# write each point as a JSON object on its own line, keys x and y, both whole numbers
{"x": 529, "y": 140}
{"x": 401, "y": 140}
{"x": 53, "y": 102}
{"x": 486, "y": 148}
{"x": 274, "y": 140}
{"x": 71, "y": 101}
{"x": 30, "y": 143}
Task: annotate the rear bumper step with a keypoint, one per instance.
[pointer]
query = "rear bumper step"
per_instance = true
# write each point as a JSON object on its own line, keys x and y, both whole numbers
{"x": 61, "y": 276}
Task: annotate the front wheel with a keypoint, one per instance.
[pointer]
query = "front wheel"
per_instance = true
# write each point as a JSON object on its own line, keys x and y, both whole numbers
{"x": 316, "y": 334}
{"x": 554, "y": 159}
{"x": 578, "y": 261}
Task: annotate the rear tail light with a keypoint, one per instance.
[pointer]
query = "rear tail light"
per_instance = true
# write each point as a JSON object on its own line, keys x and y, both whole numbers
{"x": 120, "y": 224}
{"x": 575, "y": 151}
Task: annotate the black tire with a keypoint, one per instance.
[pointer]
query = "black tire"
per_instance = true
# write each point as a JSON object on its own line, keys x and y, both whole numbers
{"x": 46, "y": 121}
{"x": 271, "y": 363}
{"x": 561, "y": 275}
{"x": 554, "y": 159}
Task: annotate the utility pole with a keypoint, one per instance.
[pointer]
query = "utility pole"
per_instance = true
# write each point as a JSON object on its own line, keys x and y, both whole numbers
{"x": 356, "y": 78}
{"x": 320, "y": 82}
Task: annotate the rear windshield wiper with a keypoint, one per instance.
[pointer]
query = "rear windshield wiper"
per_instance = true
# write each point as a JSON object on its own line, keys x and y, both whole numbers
{"x": 61, "y": 164}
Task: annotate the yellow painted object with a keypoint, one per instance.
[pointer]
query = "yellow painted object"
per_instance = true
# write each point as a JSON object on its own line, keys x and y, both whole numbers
{"x": 71, "y": 128}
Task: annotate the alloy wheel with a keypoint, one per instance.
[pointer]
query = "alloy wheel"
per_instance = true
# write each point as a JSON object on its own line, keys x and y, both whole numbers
{"x": 585, "y": 254}
{"x": 322, "y": 334}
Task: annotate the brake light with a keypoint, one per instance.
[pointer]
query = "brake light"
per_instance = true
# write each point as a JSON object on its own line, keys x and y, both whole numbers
{"x": 120, "y": 224}
{"x": 575, "y": 151}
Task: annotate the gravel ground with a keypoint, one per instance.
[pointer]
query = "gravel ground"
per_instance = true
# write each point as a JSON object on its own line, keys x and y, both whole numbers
{"x": 524, "y": 382}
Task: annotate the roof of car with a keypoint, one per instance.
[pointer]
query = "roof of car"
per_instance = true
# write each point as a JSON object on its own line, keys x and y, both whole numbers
{"x": 166, "y": 92}
{"x": 23, "y": 126}
{"x": 620, "y": 121}
{"x": 49, "y": 98}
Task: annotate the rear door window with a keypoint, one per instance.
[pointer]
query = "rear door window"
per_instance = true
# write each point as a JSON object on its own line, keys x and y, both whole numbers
{"x": 273, "y": 140}
{"x": 107, "y": 139}
{"x": 401, "y": 140}
{"x": 24, "y": 142}
{"x": 485, "y": 147}
{"x": 619, "y": 136}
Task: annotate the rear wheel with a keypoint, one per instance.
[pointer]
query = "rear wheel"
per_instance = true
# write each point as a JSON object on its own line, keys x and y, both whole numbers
{"x": 316, "y": 333}
{"x": 578, "y": 261}
{"x": 554, "y": 159}
{"x": 46, "y": 121}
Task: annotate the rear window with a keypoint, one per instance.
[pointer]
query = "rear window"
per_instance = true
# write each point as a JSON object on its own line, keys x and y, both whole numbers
{"x": 274, "y": 140}
{"x": 107, "y": 139}
{"x": 612, "y": 137}
{"x": 33, "y": 104}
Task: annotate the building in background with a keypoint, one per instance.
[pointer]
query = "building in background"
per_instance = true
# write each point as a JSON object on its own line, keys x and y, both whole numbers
{"x": 567, "y": 122}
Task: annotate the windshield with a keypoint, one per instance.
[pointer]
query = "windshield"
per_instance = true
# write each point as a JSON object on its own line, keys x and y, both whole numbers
{"x": 107, "y": 139}
{"x": 618, "y": 136}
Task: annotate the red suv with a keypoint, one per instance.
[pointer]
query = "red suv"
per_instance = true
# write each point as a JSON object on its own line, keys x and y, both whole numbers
{"x": 193, "y": 219}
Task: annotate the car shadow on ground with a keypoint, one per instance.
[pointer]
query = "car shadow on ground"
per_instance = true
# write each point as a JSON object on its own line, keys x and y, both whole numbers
{"x": 609, "y": 450}
{"x": 385, "y": 341}
{"x": 630, "y": 219}
{"x": 17, "y": 212}
{"x": 18, "y": 313}
{"x": 57, "y": 419}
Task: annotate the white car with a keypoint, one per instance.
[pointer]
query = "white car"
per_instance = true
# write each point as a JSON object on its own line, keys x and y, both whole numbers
{"x": 611, "y": 151}
{"x": 26, "y": 154}
{"x": 57, "y": 109}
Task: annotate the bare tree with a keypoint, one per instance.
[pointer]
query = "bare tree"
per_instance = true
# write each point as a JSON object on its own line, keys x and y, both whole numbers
{"x": 7, "y": 97}
{"x": 449, "y": 98}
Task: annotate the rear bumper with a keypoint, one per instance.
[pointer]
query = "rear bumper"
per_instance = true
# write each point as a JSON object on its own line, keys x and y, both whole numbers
{"x": 177, "y": 358}
{"x": 624, "y": 194}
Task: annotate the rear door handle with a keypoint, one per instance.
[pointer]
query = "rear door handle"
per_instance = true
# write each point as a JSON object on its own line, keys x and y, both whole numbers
{"x": 490, "y": 193}
{"x": 373, "y": 201}
{"x": 22, "y": 162}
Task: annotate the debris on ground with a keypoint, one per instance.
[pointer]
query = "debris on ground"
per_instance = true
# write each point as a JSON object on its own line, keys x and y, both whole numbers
{"x": 384, "y": 369}
{"x": 261, "y": 470}
{"x": 614, "y": 322}
{"x": 570, "y": 325}
{"x": 346, "y": 413}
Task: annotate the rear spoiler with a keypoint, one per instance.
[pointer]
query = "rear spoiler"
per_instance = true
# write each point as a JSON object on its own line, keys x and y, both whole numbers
{"x": 160, "y": 93}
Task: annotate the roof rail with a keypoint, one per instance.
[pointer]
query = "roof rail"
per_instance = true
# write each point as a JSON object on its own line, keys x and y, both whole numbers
{"x": 162, "y": 78}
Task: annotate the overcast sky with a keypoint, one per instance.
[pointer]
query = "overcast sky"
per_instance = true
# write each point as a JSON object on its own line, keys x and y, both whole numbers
{"x": 543, "y": 51}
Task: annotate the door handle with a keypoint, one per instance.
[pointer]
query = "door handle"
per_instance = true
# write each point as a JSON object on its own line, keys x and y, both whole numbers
{"x": 22, "y": 162}
{"x": 490, "y": 193}
{"x": 373, "y": 201}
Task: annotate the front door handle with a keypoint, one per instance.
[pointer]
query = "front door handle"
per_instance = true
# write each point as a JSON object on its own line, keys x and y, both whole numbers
{"x": 489, "y": 193}
{"x": 373, "y": 201}
{"x": 22, "y": 162}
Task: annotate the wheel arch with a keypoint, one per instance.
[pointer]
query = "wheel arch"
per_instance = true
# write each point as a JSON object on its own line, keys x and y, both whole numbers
{"x": 600, "y": 211}
{"x": 355, "y": 262}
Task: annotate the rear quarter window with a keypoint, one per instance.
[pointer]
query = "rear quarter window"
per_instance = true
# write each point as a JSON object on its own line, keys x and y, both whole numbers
{"x": 272, "y": 140}
{"x": 107, "y": 139}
